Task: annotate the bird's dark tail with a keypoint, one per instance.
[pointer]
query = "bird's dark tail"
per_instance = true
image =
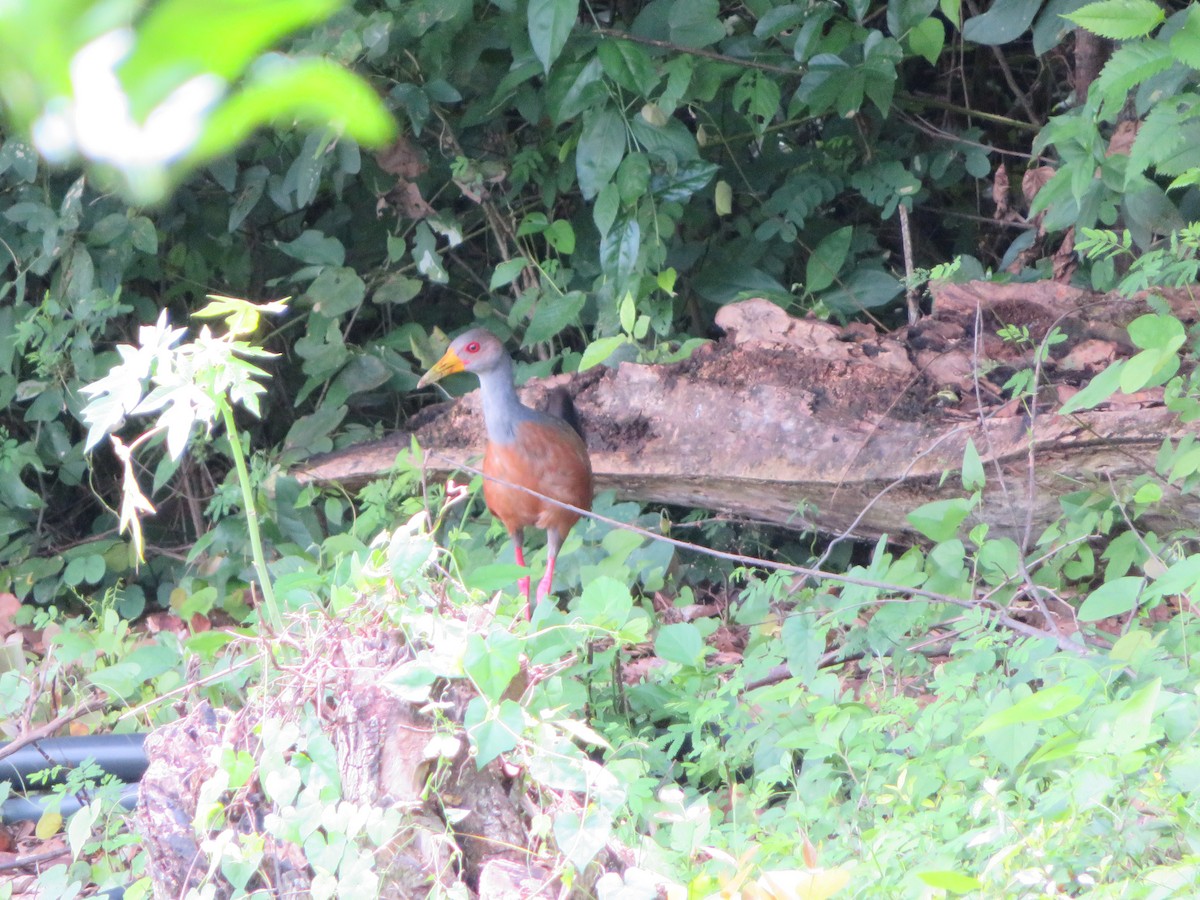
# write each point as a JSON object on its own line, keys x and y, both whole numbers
{"x": 560, "y": 405}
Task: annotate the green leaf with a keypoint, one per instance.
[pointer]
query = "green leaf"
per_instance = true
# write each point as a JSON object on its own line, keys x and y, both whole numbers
{"x": 1182, "y": 577}
{"x": 601, "y": 147}
{"x": 425, "y": 254}
{"x": 1148, "y": 368}
{"x": 619, "y": 253}
{"x": 827, "y": 259}
{"x": 1005, "y": 21}
{"x": 143, "y": 235}
{"x": 585, "y": 90}
{"x": 680, "y": 643}
{"x": 633, "y": 178}
{"x": 336, "y": 291}
{"x": 315, "y": 249}
{"x": 290, "y": 92}
{"x": 1129, "y": 65}
{"x": 180, "y": 39}
{"x": 954, "y": 882}
{"x": 695, "y": 23}
{"x": 903, "y": 15}
{"x": 581, "y": 834}
{"x": 506, "y": 273}
{"x": 1050, "y": 703}
{"x": 314, "y": 433}
{"x": 666, "y": 281}
{"x": 780, "y": 18}
{"x": 552, "y": 315}
{"x": 493, "y": 663}
{"x": 84, "y": 569}
{"x": 409, "y": 551}
{"x": 533, "y": 223}
{"x": 561, "y": 236}
{"x": 135, "y": 671}
{"x": 493, "y": 730}
{"x": 1098, "y": 390}
{"x": 1185, "y": 43}
{"x": 1162, "y": 139}
{"x": 627, "y": 313}
{"x": 1118, "y": 20}
{"x": 599, "y": 350}
{"x": 605, "y": 603}
{"x": 605, "y": 209}
{"x": 999, "y": 560}
{"x": 865, "y": 288}
{"x": 1113, "y": 598}
{"x": 397, "y": 289}
{"x": 362, "y": 373}
{"x": 628, "y": 65}
{"x": 1157, "y": 332}
{"x": 79, "y": 826}
{"x": 1133, "y": 728}
{"x": 940, "y": 519}
{"x": 804, "y": 643}
{"x": 689, "y": 179}
{"x": 927, "y": 39}
{"x": 758, "y": 94}
{"x": 494, "y": 577}
{"x": 973, "y": 476}
{"x": 1148, "y": 493}
{"x": 550, "y": 23}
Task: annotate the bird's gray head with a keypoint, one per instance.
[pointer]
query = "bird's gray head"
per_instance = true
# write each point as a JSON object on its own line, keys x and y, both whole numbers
{"x": 478, "y": 351}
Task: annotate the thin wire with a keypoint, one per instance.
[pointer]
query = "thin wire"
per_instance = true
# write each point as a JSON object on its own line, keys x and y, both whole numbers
{"x": 912, "y": 592}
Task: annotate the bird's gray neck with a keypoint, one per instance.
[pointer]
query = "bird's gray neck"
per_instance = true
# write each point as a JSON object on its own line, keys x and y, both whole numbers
{"x": 502, "y": 410}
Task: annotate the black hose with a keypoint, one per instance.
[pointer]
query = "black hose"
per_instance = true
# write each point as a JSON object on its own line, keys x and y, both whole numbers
{"x": 120, "y": 755}
{"x": 31, "y": 807}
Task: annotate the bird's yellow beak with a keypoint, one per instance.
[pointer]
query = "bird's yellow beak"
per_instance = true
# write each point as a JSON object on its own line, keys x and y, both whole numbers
{"x": 447, "y": 365}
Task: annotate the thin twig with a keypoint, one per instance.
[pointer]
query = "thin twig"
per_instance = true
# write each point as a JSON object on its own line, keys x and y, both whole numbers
{"x": 44, "y": 731}
{"x": 946, "y": 105}
{"x": 911, "y": 292}
{"x": 1006, "y": 71}
{"x": 24, "y": 862}
{"x": 795, "y": 70}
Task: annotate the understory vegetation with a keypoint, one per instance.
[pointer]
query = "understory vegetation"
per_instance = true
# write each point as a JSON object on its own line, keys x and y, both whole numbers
{"x": 980, "y": 712}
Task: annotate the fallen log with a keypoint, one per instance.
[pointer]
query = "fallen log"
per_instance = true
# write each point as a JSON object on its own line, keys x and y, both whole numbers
{"x": 844, "y": 430}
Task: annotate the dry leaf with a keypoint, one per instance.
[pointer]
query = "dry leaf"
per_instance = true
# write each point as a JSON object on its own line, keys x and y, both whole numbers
{"x": 1065, "y": 259}
{"x": 1123, "y": 138}
{"x": 1000, "y": 194}
{"x": 1034, "y": 180}
{"x": 402, "y": 159}
{"x": 9, "y": 606}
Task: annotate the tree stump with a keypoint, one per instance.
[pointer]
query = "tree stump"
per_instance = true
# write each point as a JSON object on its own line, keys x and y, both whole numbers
{"x": 385, "y": 760}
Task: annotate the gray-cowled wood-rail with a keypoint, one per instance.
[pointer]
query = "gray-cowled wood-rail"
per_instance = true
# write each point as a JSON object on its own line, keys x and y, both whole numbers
{"x": 526, "y": 448}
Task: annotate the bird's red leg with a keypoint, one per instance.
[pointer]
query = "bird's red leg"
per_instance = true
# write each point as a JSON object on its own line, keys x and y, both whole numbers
{"x": 553, "y": 542}
{"x": 519, "y": 553}
{"x": 547, "y": 580}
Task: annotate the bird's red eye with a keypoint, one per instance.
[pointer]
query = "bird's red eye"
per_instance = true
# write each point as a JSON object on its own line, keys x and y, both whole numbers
{"x": 472, "y": 347}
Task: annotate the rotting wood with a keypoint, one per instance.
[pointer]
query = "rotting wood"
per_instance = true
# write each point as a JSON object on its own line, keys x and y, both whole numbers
{"x": 801, "y": 423}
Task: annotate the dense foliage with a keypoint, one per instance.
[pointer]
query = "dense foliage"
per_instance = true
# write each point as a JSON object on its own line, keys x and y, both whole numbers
{"x": 594, "y": 182}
